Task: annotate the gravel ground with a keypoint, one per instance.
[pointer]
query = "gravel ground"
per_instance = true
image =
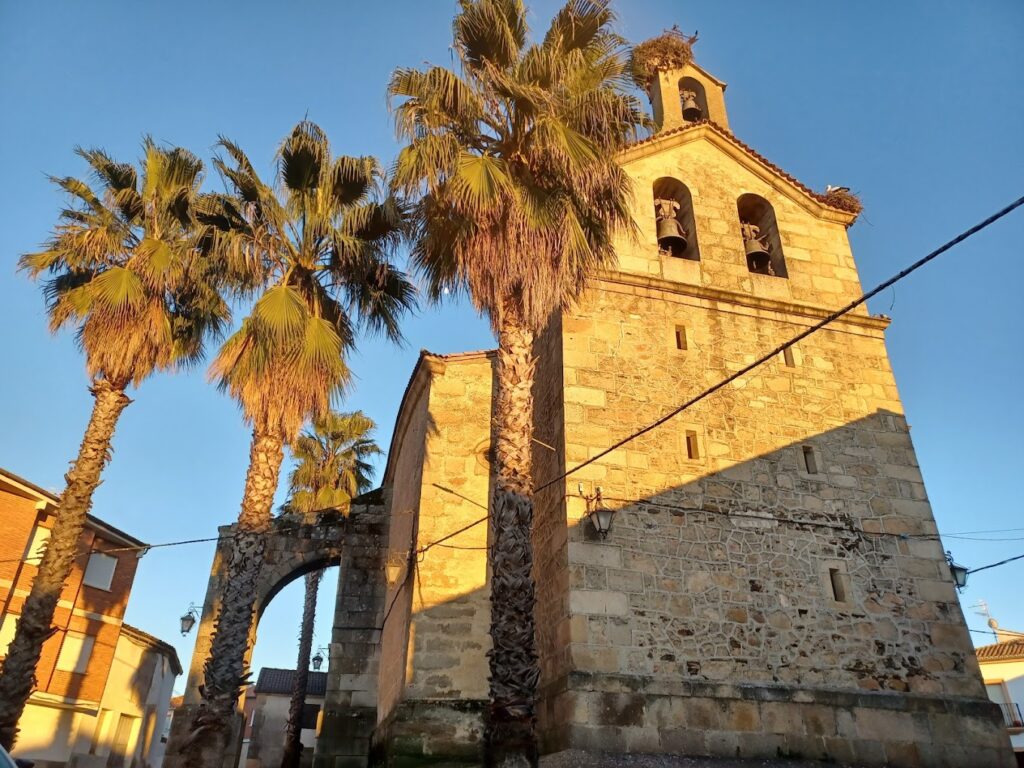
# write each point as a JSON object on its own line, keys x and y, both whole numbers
{"x": 573, "y": 759}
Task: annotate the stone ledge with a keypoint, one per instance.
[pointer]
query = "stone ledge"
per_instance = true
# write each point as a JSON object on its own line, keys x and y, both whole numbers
{"x": 787, "y": 308}
{"x": 618, "y": 714}
{"x": 904, "y": 702}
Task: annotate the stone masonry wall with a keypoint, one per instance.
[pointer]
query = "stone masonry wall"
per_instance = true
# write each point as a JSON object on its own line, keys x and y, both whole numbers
{"x": 435, "y": 698}
{"x": 402, "y": 487}
{"x": 550, "y": 538}
{"x": 774, "y": 541}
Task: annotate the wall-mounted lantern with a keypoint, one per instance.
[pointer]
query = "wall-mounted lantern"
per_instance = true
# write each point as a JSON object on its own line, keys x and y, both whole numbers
{"x": 959, "y": 572}
{"x": 600, "y": 516}
{"x": 395, "y": 568}
{"x": 189, "y": 619}
{"x": 318, "y": 659}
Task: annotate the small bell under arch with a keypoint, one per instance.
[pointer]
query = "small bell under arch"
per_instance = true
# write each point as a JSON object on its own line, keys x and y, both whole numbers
{"x": 671, "y": 235}
{"x": 691, "y": 109}
{"x": 759, "y": 258}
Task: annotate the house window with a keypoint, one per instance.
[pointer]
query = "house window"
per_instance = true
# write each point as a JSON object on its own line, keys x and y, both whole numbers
{"x": 673, "y": 215}
{"x": 692, "y": 448}
{"x": 99, "y": 573}
{"x": 760, "y": 232}
{"x": 75, "y": 652}
{"x": 310, "y": 713}
{"x": 810, "y": 461}
{"x": 97, "y": 734}
{"x": 996, "y": 692}
{"x": 37, "y": 544}
{"x": 840, "y": 584}
{"x": 788, "y": 358}
{"x": 7, "y": 632}
{"x": 681, "y": 342}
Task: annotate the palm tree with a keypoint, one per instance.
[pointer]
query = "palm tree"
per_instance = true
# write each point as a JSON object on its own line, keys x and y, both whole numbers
{"x": 509, "y": 160}
{"x": 316, "y": 259}
{"x": 124, "y": 272}
{"x": 333, "y": 468}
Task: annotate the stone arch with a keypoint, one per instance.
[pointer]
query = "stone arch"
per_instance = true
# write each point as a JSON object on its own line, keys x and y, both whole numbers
{"x": 357, "y": 543}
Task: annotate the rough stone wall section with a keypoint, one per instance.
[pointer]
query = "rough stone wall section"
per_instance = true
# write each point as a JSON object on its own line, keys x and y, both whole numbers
{"x": 434, "y": 665}
{"x": 550, "y": 538}
{"x": 350, "y": 703}
{"x": 777, "y": 535}
{"x": 403, "y": 481}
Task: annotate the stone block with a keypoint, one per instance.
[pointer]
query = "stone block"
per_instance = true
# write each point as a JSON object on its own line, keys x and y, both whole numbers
{"x": 592, "y": 601}
{"x": 595, "y": 554}
{"x": 782, "y": 717}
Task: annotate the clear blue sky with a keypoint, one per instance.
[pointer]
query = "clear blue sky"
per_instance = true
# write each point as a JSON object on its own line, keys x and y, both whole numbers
{"x": 915, "y": 105}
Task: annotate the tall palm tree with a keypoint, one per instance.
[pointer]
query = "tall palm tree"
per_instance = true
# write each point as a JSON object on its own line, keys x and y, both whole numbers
{"x": 124, "y": 272}
{"x": 510, "y": 161}
{"x": 316, "y": 260}
{"x": 332, "y": 468}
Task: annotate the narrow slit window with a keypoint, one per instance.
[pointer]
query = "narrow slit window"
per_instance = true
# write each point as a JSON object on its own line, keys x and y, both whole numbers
{"x": 692, "y": 449}
{"x": 681, "y": 342}
{"x": 840, "y": 585}
{"x": 787, "y": 358}
{"x": 810, "y": 461}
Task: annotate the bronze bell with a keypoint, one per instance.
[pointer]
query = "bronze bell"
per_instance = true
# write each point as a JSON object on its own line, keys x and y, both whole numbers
{"x": 671, "y": 235}
{"x": 758, "y": 258}
{"x": 691, "y": 111}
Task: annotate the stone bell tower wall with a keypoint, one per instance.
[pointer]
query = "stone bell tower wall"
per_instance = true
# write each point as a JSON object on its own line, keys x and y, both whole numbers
{"x": 773, "y": 583}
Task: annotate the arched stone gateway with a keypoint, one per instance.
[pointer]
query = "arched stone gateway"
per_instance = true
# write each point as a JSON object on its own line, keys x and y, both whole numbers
{"x": 358, "y": 544}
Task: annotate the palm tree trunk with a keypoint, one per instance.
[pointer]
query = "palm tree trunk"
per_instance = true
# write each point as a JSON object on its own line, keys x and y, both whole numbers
{"x": 17, "y": 678}
{"x": 510, "y": 737}
{"x": 224, "y": 673}
{"x": 293, "y": 730}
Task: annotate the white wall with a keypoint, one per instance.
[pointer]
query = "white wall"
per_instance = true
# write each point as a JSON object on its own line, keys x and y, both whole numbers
{"x": 1011, "y": 674}
{"x": 139, "y": 685}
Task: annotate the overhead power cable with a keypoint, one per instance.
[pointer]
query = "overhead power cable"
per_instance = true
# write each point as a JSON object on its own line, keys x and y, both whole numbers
{"x": 996, "y": 565}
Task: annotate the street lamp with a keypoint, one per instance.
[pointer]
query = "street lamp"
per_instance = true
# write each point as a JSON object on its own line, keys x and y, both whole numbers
{"x": 959, "y": 572}
{"x": 189, "y": 619}
{"x": 600, "y": 515}
{"x": 318, "y": 660}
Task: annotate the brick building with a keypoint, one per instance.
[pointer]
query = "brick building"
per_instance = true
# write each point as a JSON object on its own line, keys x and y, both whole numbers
{"x": 101, "y": 685}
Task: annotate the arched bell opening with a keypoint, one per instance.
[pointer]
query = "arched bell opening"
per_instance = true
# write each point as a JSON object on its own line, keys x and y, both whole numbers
{"x": 760, "y": 231}
{"x": 694, "y": 100}
{"x": 673, "y": 213}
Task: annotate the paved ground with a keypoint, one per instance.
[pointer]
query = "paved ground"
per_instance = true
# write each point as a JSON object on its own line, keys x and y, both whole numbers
{"x": 572, "y": 759}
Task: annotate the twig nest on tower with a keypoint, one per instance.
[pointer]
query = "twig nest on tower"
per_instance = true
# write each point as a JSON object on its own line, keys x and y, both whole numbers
{"x": 843, "y": 199}
{"x": 672, "y": 50}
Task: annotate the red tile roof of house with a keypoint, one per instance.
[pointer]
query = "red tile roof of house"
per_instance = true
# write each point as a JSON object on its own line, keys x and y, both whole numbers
{"x": 1006, "y": 651}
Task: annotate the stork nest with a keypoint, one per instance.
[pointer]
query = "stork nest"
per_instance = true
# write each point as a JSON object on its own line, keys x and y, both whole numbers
{"x": 671, "y": 50}
{"x": 843, "y": 199}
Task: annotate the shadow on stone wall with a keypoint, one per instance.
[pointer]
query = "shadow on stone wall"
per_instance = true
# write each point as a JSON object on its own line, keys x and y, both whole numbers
{"x": 797, "y": 603}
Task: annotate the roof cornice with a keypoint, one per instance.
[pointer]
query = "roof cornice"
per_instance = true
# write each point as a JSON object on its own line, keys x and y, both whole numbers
{"x": 759, "y": 303}
{"x": 746, "y": 156}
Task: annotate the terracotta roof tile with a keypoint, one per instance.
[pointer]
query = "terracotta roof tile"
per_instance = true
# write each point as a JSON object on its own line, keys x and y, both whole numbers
{"x": 1012, "y": 649}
